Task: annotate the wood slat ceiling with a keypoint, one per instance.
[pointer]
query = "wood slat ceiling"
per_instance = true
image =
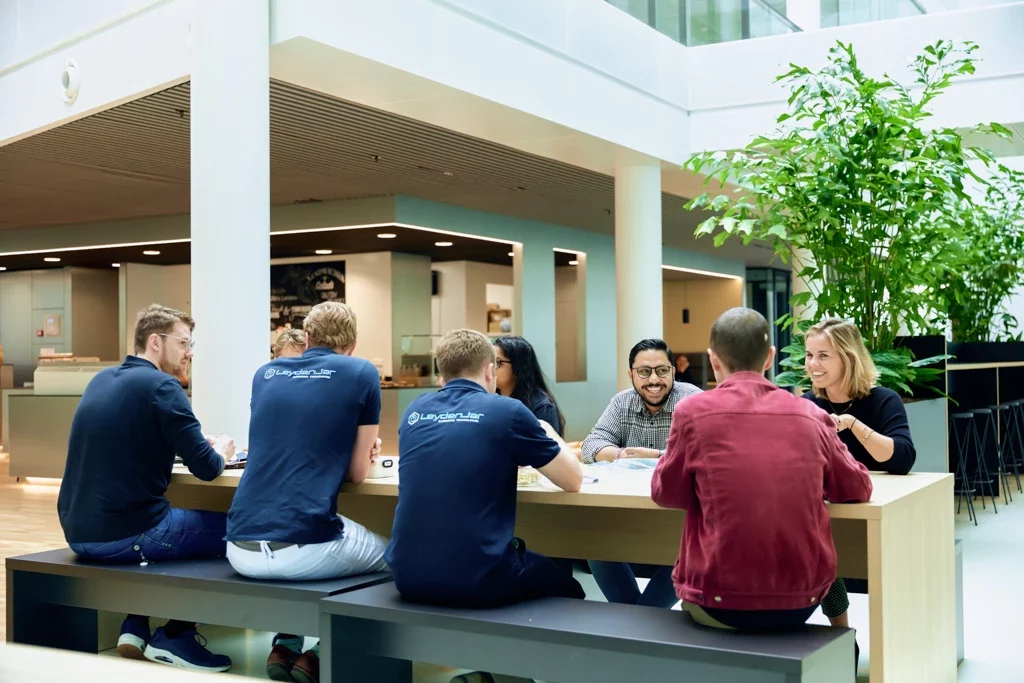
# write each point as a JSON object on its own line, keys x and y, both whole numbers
{"x": 133, "y": 161}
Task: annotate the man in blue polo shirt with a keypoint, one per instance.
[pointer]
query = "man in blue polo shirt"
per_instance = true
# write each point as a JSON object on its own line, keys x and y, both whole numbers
{"x": 460, "y": 450}
{"x": 313, "y": 425}
{"x": 129, "y": 424}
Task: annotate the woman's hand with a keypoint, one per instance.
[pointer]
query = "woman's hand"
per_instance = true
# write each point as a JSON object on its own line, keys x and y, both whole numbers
{"x": 843, "y": 422}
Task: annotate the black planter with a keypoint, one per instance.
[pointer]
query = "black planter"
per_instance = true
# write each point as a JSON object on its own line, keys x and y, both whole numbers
{"x": 986, "y": 352}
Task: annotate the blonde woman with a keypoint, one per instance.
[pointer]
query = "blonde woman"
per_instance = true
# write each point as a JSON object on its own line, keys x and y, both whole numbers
{"x": 290, "y": 344}
{"x": 870, "y": 419}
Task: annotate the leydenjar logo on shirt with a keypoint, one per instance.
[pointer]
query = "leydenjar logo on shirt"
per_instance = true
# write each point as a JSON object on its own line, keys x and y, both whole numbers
{"x": 318, "y": 373}
{"x": 443, "y": 418}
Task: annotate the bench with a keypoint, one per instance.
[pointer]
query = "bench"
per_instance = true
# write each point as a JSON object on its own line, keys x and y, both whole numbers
{"x": 55, "y": 599}
{"x": 371, "y": 634}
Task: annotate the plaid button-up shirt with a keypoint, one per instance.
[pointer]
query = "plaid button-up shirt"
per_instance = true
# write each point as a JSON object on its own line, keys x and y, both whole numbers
{"x": 626, "y": 422}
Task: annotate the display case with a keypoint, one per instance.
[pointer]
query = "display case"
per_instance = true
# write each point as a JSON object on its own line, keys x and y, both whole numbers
{"x": 66, "y": 378}
{"x": 416, "y": 367}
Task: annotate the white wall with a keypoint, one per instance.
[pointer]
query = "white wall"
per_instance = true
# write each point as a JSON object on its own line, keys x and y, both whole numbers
{"x": 26, "y": 298}
{"x": 478, "y": 276}
{"x": 463, "y": 296}
{"x": 448, "y": 306}
{"x": 368, "y": 292}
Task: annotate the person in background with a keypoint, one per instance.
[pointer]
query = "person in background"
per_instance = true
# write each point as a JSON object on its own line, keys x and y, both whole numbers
{"x": 870, "y": 419}
{"x": 131, "y": 421}
{"x": 314, "y": 424}
{"x": 636, "y": 424}
{"x": 518, "y": 376}
{"x": 290, "y": 344}
{"x": 460, "y": 450}
{"x": 683, "y": 373}
{"x": 752, "y": 466}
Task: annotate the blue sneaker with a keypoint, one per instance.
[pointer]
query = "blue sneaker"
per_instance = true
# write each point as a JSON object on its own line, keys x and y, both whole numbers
{"x": 187, "y": 651}
{"x": 134, "y": 638}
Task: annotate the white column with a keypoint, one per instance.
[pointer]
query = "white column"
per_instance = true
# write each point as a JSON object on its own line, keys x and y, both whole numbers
{"x": 230, "y": 126}
{"x": 804, "y": 13}
{"x": 638, "y": 283}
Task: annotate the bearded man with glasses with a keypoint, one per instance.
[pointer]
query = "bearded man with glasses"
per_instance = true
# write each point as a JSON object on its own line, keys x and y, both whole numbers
{"x": 636, "y": 424}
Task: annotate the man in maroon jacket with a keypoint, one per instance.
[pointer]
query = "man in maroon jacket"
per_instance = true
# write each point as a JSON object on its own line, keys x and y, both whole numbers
{"x": 752, "y": 465}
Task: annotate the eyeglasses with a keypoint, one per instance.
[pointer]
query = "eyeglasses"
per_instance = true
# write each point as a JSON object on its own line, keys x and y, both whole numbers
{"x": 501, "y": 362}
{"x": 644, "y": 371}
{"x": 185, "y": 342}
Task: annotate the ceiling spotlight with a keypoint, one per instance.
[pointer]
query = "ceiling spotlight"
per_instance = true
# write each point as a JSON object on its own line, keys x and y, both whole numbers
{"x": 387, "y": 235}
{"x": 512, "y": 254}
{"x": 151, "y": 252}
{"x": 115, "y": 265}
{"x": 442, "y": 244}
{"x": 324, "y": 252}
{"x": 574, "y": 263}
{"x": 449, "y": 174}
{"x": 3, "y": 267}
{"x": 52, "y": 259}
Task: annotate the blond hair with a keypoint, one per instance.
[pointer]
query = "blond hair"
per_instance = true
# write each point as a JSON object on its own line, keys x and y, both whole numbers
{"x": 463, "y": 352}
{"x": 859, "y": 372}
{"x": 332, "y": 325}
{"x": 157, "y": 319}
{"x": 289, "y": 337}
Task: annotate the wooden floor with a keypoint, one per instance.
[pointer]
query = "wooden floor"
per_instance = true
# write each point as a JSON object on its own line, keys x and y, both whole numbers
{"x": 28, "y": 524}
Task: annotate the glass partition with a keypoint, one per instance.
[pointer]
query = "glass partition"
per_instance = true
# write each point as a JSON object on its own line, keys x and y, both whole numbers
{"x": 705, "y": 22}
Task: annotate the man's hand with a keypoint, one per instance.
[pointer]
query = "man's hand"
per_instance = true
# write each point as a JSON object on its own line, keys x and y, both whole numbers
{"x": 375, "y": 451}
{"x": 635, "y": 452}
{"x": 224, "y": 446}
{"x": 843, "y": 422}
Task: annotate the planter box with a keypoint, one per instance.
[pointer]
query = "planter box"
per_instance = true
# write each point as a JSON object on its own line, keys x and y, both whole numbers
{"x": 986, "y": 352}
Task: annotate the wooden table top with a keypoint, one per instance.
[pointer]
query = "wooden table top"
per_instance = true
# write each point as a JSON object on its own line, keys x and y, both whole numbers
{"x": 622, "y": 488}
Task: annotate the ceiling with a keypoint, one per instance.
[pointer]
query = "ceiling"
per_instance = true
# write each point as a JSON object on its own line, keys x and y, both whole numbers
{"x": 132, "y": 161}
{"x": 295, "y": 245}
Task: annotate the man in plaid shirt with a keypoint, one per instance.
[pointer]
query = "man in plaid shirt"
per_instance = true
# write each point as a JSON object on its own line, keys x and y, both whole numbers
{"x": 636, "y": 424}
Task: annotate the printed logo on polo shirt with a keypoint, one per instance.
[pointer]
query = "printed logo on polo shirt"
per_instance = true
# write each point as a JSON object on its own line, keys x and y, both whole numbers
{"x": 445, "y": 418}
{"x": 319, "y": 373}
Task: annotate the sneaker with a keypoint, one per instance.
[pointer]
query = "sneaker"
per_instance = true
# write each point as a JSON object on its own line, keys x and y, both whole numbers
{"x": 280, "y": 663}
{"x": 307, "y": 668}
{"x": 134, "y": 638}
{"x": 187, "y": 651}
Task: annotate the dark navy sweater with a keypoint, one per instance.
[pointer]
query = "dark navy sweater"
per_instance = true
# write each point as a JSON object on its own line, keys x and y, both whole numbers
{"x": 130, "y": 422}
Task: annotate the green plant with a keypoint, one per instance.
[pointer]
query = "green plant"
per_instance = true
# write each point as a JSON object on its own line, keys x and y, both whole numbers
{"x": 856, "y": 192}
{"x": 991, "y": 249}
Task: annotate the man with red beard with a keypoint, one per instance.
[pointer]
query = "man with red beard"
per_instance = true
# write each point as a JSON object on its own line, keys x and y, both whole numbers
{"x": 636, "y": 424}
{"x": 131, "y": 421}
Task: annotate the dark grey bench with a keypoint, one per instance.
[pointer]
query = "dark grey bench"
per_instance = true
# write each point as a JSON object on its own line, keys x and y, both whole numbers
{"x": 55, "y": 600}
{"x": 372, "y": 635}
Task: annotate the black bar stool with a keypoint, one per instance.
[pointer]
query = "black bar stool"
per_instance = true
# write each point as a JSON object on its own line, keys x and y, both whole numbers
{"x": 996, "y": 424}
{"x": 1013, "y": 452}
{"x": 982, "y": 477}
{"x": 962, "y": 429}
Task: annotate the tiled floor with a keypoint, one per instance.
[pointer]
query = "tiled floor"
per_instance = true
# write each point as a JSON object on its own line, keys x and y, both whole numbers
{"x": 993, "y": 563}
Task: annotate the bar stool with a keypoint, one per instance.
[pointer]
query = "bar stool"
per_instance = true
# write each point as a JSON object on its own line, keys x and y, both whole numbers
{"x": 1009, "y": 436}
{"x": 982, "y": 477}
{"x": 962, "y": 430}
{"x": 1013, "y": 453}
{"x": 992, "y": 423}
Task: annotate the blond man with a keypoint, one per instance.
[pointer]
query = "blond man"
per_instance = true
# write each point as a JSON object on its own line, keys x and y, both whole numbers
{"x": 460, "y": 450}
{"x": 313, "y": 425}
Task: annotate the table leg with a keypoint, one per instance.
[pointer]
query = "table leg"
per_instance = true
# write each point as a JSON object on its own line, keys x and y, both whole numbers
{"x": 911, "y": 589}
{"x": 339, "y": 663}
{"x": 32, "y": 621}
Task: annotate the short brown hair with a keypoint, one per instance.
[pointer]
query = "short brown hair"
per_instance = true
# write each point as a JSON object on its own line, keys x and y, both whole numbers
{"x": 463, "y": 352}
{"x": 741, "y": 339}
{"x": 332, "y": 325}
{"x": 157, "y": 319}
{"x": 289, "y": 337}
{"x": 859, "y": 371}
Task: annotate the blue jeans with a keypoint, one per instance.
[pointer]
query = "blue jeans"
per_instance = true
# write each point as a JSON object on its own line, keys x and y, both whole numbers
{"x": 182, "y": 534}
{"x": 617, "y": 580}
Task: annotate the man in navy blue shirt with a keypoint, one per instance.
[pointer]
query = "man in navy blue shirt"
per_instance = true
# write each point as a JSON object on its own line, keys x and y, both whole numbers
{"x": 129, "y": 424}
{"x": 314, "y": 424}
{"x": 460, "y": 450}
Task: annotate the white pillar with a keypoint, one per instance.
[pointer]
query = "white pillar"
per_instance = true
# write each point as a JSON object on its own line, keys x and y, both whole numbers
{"x": 804, "y": 13}
{"x": 230, "y": 127}
{"x": 638, "y": 282}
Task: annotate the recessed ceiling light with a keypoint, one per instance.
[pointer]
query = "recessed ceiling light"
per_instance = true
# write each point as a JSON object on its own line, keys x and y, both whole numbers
{"x": 574, "y": 263}
{"x": 387, "y": 235}
{"x": 115, "y": 265}
{"x": 151, "y": 252}
{"x": 449, "y": 174}
{"x": 3, "y": 267}
{"x": 324, "y": 252}
{"x": 442, "y": 244}
{"x": 52, "y": 259}
{"x": 512, "y": 253}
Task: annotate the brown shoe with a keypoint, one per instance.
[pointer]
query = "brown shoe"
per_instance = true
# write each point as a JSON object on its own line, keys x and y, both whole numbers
{"x": 280, "y": 663}
{"x": 307, "y": 668}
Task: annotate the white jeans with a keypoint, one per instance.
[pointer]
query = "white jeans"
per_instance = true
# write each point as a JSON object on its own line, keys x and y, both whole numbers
{"x": 358, "y": 551}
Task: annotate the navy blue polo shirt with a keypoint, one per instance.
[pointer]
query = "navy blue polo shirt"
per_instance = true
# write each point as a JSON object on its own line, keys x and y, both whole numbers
{"x": 459, "y": 453}
{"x": 305, "y": 415}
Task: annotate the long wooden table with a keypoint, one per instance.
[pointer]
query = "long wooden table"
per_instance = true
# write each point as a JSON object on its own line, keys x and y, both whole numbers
{"x": 901, "y": 542}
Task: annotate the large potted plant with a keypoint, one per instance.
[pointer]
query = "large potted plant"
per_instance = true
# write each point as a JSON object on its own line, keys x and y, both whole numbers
{"x": 860, "y": 196}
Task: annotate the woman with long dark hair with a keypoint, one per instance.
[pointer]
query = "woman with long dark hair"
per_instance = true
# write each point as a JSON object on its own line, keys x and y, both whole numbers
{"x": 519, "y": 376}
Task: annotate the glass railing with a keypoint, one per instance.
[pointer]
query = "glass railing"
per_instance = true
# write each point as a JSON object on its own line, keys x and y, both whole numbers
{"x": 846, "y": 12}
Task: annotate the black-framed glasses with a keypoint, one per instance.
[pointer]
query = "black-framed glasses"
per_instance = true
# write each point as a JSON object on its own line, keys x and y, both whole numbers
{"x": 185, "y": 341}
{"x": 644, "y": 371}
{"x": 501, "y": 362}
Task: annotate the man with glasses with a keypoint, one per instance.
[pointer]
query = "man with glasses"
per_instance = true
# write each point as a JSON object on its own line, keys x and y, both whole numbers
{"x": 636, "y": 424}
{"x": 131, "y": 421}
